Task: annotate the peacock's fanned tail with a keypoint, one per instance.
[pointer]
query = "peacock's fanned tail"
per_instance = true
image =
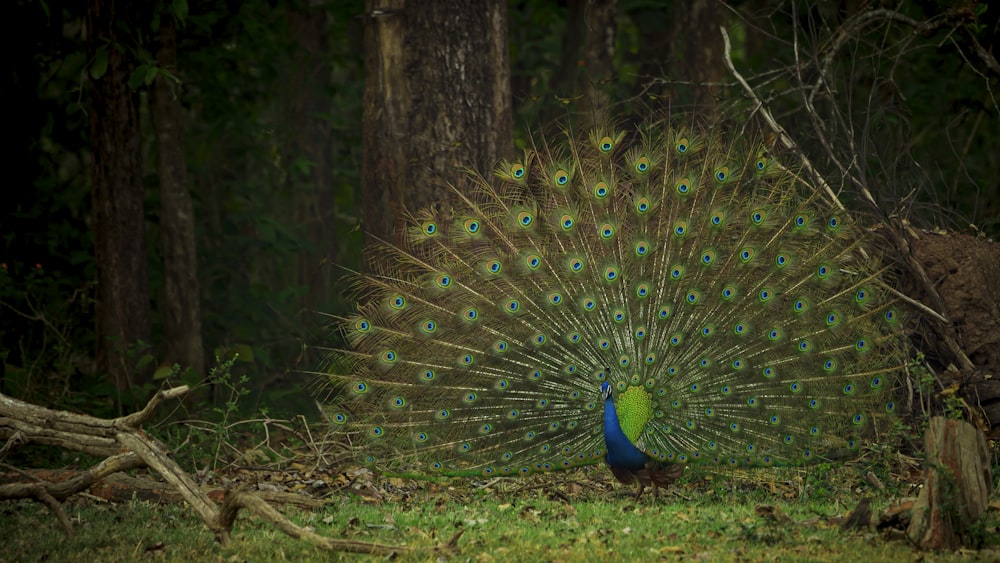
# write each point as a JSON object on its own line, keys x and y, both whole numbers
{"x": 727, "y": 305}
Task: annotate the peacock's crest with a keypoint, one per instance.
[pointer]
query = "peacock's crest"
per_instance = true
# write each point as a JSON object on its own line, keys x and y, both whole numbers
{"x": 728, "y": 307}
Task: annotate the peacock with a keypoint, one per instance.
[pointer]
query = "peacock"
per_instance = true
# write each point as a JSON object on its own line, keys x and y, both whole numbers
{"x": 650, "y": 298}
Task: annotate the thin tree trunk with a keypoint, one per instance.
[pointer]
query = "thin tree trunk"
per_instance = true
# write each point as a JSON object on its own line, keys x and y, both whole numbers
{"x": 308, "y": 79}
{"x": 586, "y": 68}
{"x": 680, "y": 54}
{"x": 696, "y": 50}
{"x": 564, "y": 82}
{"x": 437, "y": 99}
{"x": 182, "y": 305}
{"x": 123, "y": 325}
{"x": 653, "y": 24}
{"x": 599, "y": 56}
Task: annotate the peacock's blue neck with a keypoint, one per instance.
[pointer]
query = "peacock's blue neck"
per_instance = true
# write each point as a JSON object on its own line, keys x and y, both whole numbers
{"x": 622, "y": 453}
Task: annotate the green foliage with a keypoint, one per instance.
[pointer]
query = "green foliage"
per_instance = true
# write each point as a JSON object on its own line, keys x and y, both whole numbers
{"x": 209, "y": 442}
{"x": 995, "y": 453}
{"x": 43, "y": 312}
{"x": 934, "y": 399}
{"x": 535, "y": 35}
{"x": 817, "y": 480}
{"x": 46, "y": 257}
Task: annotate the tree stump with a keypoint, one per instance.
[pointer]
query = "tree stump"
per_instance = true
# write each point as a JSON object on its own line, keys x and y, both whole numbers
{"x": 956, "y": 485}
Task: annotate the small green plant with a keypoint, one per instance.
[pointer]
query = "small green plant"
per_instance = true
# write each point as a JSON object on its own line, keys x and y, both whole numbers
{"x": 954, "y": 407}
{"x": 926, "y": 385}
{"x": 221, "y": 376}
{"x": 818, "y": 485}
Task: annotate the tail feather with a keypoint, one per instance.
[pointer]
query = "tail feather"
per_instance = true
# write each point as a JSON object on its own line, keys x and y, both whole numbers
{"x": 707, "y": 276}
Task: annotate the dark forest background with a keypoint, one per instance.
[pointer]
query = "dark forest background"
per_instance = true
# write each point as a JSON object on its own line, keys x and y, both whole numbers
{"x": 187, "y": 180}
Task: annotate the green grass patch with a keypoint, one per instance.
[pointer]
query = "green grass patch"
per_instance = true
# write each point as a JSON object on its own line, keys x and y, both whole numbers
{"x": 580, "y": 518}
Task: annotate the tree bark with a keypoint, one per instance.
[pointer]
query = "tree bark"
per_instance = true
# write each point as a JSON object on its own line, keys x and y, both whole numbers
{"x": 123, "y": 325}
{"x": 654, "y": 25}
{"x": 182, "y": 303}
{"x": 437, "y": 99}
{"x": 599, "y": 57}
{"x": 956, "y": 486}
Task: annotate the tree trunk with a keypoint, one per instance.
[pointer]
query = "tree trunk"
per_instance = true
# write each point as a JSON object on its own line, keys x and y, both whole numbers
{"x": 308, "y": 100}
{"x": 586, "y": 67}
{"x": 680, "y": 53}
{"x": 599, "y": 58}
{"x": 437, "y": 99}
{"x": 123, "y": 325}
{"x": 182, "y": 305}
{"x": 654, "y": 25}
{"x": 696, "y": 50}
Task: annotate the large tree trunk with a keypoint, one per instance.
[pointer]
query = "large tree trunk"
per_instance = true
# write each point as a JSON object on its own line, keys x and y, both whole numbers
{"x": 182, "y": 304}
{"x": 437, "y": 98}
{"x": 123, "y": 327}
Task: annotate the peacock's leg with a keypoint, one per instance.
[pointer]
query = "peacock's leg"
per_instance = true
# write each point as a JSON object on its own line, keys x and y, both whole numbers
{"x": 640, "y": 488}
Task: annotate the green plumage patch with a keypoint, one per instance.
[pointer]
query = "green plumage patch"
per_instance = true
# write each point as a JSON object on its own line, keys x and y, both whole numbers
{"x": 635, "y": 409}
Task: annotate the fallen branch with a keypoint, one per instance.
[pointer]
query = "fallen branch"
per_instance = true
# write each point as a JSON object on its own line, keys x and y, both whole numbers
{"x": 236, "y": 500}
{"x": 125, "y": 446}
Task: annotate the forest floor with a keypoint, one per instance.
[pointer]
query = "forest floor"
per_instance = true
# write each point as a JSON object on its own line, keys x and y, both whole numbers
{"x": 778, "y": 514}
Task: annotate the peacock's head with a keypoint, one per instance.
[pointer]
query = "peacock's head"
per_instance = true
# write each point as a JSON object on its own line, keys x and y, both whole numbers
{"x": 605, "y": 390}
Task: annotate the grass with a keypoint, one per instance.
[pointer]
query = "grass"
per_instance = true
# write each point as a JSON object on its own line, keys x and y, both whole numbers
{"x": 580, "y": 517}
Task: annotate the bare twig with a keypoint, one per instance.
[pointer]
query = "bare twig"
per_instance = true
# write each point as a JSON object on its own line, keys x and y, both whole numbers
{"x": 897, "y": 232}
{"x": 783, "y": 137}
{"x": 918, "y": 305}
